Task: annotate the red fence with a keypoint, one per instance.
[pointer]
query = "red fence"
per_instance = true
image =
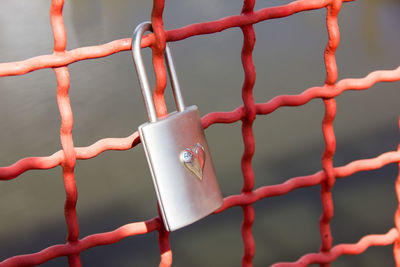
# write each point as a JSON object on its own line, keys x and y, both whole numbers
{"x": 246, "y": 113}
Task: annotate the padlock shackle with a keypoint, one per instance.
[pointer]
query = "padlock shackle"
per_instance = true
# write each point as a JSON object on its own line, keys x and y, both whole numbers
{"x": 142, "y": 76}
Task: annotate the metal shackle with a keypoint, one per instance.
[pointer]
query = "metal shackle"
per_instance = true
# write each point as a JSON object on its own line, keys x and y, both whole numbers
{"x": 142, "y": 76}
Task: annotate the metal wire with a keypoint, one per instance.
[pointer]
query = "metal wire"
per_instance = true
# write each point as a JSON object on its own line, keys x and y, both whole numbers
{"x": 247, "y": 113}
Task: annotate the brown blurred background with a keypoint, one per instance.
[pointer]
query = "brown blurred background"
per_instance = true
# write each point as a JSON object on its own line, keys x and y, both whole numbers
{"x": 115, "y": 188}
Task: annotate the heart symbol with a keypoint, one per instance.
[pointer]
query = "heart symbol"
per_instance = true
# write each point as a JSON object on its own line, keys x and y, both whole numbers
{"x": 193, "y": 159}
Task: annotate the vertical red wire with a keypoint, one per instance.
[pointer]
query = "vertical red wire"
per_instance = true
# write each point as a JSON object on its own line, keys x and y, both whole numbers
{"x": 327, "y": 127}
{"x": 249, "y": 39}
{"x": 158, "y": 48}
{"x": 68, "y": 164}
{"x": 396, "y": 246}
{"x": 165, "y": 248}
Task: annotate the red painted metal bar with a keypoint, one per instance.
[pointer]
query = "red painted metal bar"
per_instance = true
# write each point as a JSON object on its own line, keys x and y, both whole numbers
{"x": 34, "y": 163}
{"x": 327, "y": 129}
{"x": 309, "y": 180}
{"x": 396, "y": 246}
{"x": 68, "y": 163}
{"x": 247, "y": 113}
{"x": 344, "y": 249}
{"x": 90, "y": 52}
{"x": 101, "y": 239}
{"x": 249, "y": 40}
{"x": 158, "y": 48}
{"x": 231, "y": 201}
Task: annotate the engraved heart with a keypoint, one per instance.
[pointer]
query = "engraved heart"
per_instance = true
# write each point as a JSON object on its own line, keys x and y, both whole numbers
{"x": 193, "y": 159}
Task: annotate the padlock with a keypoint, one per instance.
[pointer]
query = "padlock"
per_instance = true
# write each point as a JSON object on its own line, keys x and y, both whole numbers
{"x": 176, "y": 150}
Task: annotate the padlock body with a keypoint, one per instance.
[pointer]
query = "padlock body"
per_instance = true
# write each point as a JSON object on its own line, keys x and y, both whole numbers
{"x": 183, "y": 198}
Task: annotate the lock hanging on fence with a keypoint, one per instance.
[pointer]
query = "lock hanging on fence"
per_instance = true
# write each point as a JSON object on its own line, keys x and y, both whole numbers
{"x": 176, "y": 150}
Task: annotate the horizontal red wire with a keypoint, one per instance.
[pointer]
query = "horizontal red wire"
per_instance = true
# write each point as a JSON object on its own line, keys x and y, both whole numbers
{"x": 90, "y": 52}
{"x": 235, "y": 200}
{"x": 343, "y": 249}
{"x": 32, "y": 163}
{"x": 230, "y": 201}
{"x": 83, "y": 244}
{"x": 309, "y": 180}
{"x": 35, "y": 163}
{"x": 306, "y": 96}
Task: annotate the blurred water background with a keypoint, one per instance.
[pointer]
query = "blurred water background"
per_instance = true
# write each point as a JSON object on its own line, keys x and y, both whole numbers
{"x": 115, "y": 188}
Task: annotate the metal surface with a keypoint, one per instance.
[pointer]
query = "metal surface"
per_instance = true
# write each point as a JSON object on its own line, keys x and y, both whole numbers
{"x": 142, "y": 76}
{"x": 60, "y": 59}
{"x": 182, "y": 197}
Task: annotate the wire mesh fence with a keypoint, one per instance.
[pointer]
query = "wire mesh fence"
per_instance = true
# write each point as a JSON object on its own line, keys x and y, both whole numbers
{"x": 246, "y": 114}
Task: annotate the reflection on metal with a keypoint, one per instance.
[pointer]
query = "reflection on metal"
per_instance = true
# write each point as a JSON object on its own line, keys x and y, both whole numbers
{"x": 194, "y": 159}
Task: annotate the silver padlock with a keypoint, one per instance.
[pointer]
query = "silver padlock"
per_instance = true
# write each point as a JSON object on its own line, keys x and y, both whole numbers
{"x": 176, "y": 150}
